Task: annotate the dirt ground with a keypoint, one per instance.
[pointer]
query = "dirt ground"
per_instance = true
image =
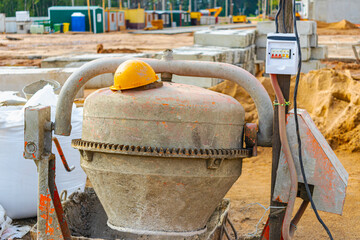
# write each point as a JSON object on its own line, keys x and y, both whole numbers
{"x": 35, "y": 45}
{"x": 253, "y": 186}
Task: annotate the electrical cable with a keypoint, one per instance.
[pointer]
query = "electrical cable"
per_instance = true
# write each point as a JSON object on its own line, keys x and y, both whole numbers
{"x": 286, "y": 227}
{"x": 298, "y": 132}
{"x": 277, "y": 16}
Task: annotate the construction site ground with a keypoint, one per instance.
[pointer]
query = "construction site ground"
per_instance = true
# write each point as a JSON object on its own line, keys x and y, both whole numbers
{"x": 254, "y": 184}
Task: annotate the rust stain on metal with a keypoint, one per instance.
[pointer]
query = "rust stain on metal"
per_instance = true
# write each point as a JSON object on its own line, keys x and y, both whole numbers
{"x": 45, "y": 206}
{"x": 61, "y": 154}
{"x": 277, "y": 199}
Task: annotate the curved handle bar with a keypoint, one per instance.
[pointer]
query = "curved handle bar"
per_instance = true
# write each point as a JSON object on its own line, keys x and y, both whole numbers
{"x": 178, "y": 67}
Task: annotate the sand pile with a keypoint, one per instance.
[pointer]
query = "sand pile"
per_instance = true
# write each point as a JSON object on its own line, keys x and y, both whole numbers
{"x": 331, "y": 97}
{"x": 343, "y": 24}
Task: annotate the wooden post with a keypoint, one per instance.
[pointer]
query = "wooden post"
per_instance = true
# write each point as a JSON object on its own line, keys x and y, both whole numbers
{"x": 277, "y": 215}
{"x": 171, "y": 13}
{"x": 88, "y": 4}
{"x": 226, "y": 8}
{"x": 103, "y": 7}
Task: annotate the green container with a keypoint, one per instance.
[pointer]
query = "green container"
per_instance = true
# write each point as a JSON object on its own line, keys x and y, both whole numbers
{"x": 59, "y": 14}
{"x": 57, "y": 27}
{"x": 181, "y": 18}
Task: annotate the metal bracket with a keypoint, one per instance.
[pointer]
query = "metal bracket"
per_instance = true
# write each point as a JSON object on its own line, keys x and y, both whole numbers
{"x": 167, "y": 56}
{"x": 250, "y": 132}
{"x": 51, "y": 223}
{"x": 214, "y": 163}
{"x": 87, "y": 155}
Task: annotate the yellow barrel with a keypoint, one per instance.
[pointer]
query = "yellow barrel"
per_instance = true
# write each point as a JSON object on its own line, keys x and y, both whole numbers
{"x": 66, "y": 27}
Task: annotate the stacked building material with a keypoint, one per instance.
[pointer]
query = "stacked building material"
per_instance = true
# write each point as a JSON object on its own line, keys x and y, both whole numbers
{"x": 228, "y": 46}
{"x": 311, "y": 52}
{"x": 239, "y": 42}
{"x": 74, "y": 61}
{"x": 14, "y": 79}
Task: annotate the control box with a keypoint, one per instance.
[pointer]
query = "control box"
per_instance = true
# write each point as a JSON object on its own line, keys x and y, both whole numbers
{"x": 281, "y": 54}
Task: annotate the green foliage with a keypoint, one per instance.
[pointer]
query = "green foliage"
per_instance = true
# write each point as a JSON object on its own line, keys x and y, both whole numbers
{"x": 40, "y": 7}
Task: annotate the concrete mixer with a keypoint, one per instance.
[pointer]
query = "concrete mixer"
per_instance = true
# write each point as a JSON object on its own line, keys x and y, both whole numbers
{"x": 161, "y": 156}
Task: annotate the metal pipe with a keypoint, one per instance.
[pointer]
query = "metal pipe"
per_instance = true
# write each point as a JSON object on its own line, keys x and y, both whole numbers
{"x": 298, "y": 216}
{"x": 182, "y": 68}
{"x": 62, "y": 156}
{"x": 286, "y": 149}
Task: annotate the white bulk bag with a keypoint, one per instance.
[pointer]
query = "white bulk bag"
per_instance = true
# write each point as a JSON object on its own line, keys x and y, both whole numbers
{"x": 18, "y": 176}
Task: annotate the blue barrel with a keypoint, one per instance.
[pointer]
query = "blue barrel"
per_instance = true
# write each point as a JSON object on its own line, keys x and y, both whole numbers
{"x": 78, "y": 22}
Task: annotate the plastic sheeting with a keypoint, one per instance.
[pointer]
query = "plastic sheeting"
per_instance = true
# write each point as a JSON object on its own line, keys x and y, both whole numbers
{"x": 18, "y": 176}
{"x": 9, "y": 231}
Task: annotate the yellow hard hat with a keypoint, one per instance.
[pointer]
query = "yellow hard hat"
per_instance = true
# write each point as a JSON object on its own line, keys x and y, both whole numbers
{"x": 133, "y": 74}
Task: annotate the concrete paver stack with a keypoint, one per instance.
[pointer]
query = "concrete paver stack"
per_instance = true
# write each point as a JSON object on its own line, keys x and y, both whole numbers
{"x": 228, "y": 46}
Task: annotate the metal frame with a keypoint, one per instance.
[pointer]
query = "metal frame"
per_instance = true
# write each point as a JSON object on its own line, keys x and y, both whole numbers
{"x": 38, "y": 135}
{"x": 182, "y": 68}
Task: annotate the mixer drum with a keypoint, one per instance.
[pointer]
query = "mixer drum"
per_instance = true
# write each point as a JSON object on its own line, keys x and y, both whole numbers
{"x": 161, "y": 159}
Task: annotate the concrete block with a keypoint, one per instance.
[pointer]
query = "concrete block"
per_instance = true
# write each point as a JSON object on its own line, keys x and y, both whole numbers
{"x": 15, "y": 79}
{"x": 75, "y": 64}
{"x": 261, "y": 54}
{"x": 305, "y": 40}
{"x": 210, "y": 56}
{"x": 320, "y": 52}
{"x": 248, "y": 66}
{"x": 305, "y": 54}
{"x": 314, "y": 40}
{"x": 63, "y": 61}
{"x": 243, "y": 55}
{"x": 314, "y": 26}
{"x": 197, "y": 81}
{"x": 310, "y": 65}
{"x": 200, "y": 53}
{"x": 225, "y": 38}
{"x": 226, "y": 54}
{"x": 263, "y": 28}
{"x": 239, "y": 55}
{"x": 304, "y": 27}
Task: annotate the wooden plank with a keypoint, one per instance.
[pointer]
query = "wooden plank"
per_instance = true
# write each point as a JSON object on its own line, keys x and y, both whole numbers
{"x": 276, "y": 216}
